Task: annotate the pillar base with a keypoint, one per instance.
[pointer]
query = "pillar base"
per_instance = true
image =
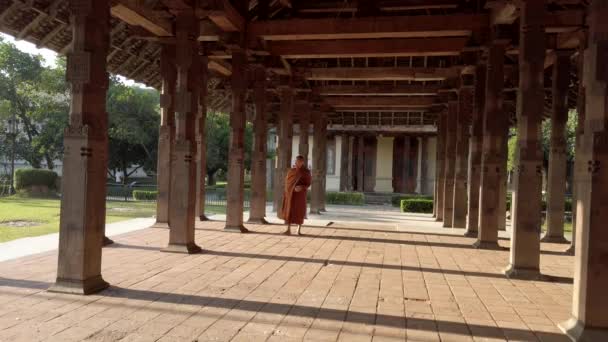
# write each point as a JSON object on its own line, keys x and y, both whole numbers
{"x": 471, "y": 233}
{"x": 570, "y": 250}
{"x": 159, "y": 224}
{"x": 522, "y": 273}
{"x": 190, "y": 248}
{"x": 315, "y": 212}
{"x": 577, "y": 331}
{"x": 79, "y": 287}
{"x": 203, "y": 217}
{"x": 438, "y": 219}
{"x": 107, "y": 241}
{"x": 236, "y": 229}
{"x": 446, "y": 225}
{"x": 257, "y": 221}
{"x": 554, "y": 239}
{"x": 492, "y": 245}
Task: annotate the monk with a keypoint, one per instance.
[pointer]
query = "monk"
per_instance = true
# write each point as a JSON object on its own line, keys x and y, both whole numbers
{"x": 293, "y": 208}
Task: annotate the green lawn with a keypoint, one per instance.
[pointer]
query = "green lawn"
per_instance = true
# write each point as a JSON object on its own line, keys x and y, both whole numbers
{"x": 45, "y": 212}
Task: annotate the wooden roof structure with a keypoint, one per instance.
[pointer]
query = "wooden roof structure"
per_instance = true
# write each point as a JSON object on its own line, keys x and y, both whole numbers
{"x": 372, "y": 62}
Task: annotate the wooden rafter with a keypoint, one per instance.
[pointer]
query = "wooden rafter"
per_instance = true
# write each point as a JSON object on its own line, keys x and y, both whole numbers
{"x": 381, "y": 74}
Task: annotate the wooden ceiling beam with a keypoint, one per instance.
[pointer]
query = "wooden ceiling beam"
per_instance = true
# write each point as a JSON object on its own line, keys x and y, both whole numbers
{"x": 384, "y": 110}
{"x": 364, "y": 90}
{"x": 380, "y": 101}
{"x": 131, "y": 12}
{"x": 226, "y": 17}
{"x": 449, "y": 46}
{"x": 369, "y": 28}
{"x": 381, "y": 74}
{"x": 398, "y": 5}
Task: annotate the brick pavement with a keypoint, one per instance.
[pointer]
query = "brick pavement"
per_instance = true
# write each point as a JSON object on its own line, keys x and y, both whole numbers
{"x": 345, "y": 282}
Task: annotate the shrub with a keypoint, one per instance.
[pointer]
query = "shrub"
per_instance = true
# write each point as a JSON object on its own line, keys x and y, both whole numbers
{"x": 417, "y": 205}
{"x": 350, "y": 198}
{"x": 396, "y": 200}
{"x": 27, "y": 178}
{"x": 143, "y": 195}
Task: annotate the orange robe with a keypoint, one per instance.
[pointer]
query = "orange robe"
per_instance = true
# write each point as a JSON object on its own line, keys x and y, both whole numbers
{"x": 293, "y": 208}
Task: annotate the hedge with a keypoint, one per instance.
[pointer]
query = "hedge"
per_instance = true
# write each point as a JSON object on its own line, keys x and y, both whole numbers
{"x": 417, "y": 205}
{"x": 350, "y": 198}
{"x": 396, "y": 200}
{"x": 567, "y": 204}
{"x": 25, "y": 178}
{"x": 143, "y": 195}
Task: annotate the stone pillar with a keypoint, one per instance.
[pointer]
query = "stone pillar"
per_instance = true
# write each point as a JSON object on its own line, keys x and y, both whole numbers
{"x": 589, "y": 321}
{"x": 558, "y": 158}
{"x": 465, "y": 109}
{"x": 323, "y": 127}
{"x": 166, "y": 134}
{"x": 398, "y": 164}
{"x": 257, "y": 212}
{"x": 236, "y": 155}
{"x": 527, "y": 197}
{"x": 82, "y": 216}
{"x": 440, "y": 166}
{"x": 419, "y": 166}
{"x": 579, "y": 162}
{"x": 475, "y": 145}
{"x": 201, "y": 142}
{"x": 494, "y": 123}
{"x": 450, "y": 163}
{"x": 350, "y": 175}
{"x": 303, "y": 143}
{"x": 384, "y": 164}
{"x": 407, "y": 164}
{"x": 360, "y": 163}
{"x": 369, "y": 179}
{"x": 182, "y": 207}
{"x": 317, "y": 164}
{"x": 284, "y": 149}
{"x": 344, "y": 145}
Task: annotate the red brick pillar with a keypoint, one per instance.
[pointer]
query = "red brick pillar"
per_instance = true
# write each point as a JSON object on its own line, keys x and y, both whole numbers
{"x": 440, "y": 166}
{"x": 465, "y": 108}
{"x": 201, "y": 141}
{"x": 257, "y": 212}
{"x": 450, "y": 163}
{"x": 284, "y": 152}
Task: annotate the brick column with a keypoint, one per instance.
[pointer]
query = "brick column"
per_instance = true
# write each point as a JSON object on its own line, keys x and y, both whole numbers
{"x": 440, "y": 166}
{"x": 182, "y": 207}
{"x": 527, "y": 194}
{"x": 303, "y": 142}
{"x": 558, "y": 158}
{"x": 236, "y": 153}
{"x": 284, "y": 149}
{"x": 317, "y": 164}
{"x": 344, "y": 144}
{"x": 589, "y": 321}
{"x": 450, "y": 163}
{"x": 465, "y": 108}
{"x": 201, "y": 142}
{"x": 166, "y": 134}
{"x": 82, "y": 216}
{"x": 579, "y": 162}
{"x": 492, "y": 169}
{"x": 475, "y": 145}
{"x": 257, "y": 212}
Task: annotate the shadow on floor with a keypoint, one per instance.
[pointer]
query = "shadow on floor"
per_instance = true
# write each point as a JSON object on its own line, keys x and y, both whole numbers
{"x": 347, "y": 316}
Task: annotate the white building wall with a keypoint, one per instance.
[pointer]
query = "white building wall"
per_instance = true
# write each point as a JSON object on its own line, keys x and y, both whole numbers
{"x": 384, "y": 165}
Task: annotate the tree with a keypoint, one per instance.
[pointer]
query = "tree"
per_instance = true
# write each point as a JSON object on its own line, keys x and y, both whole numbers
{"x": 134, "y": 117}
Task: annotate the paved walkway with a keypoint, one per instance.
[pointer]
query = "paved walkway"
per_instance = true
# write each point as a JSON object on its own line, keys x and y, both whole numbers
{"x": 347, "y": 281}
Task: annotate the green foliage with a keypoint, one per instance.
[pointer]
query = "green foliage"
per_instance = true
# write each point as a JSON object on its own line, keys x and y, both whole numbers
{"x": 25, "y": 178}
{"x": 142, "y": 195}
{"x": 417, "y": 205}
{"x": 396, "y": 200}
{"x": 348, "y": 198}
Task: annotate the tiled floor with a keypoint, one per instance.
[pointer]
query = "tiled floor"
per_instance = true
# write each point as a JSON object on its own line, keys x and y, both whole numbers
{"x": 347, "y": 281}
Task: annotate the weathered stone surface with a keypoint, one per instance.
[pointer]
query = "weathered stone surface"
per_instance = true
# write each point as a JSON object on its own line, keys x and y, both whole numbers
{"x": 258, "y": 169}
{"x": 450, "y": 163}
{"x": 460, "y": 199}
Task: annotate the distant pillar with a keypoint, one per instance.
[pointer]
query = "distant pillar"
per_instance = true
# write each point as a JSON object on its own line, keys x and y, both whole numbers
{"x": 558, "y": 158}
{"x": 579, "y": 161}
{"x": 303, "y": 142}
{"x": 322, "y": 194}
{"x": 257, "y": 212}
{"x": 201, "y": 142}
{"x": 440, "y": 165}
{"x": 82, "y": 216}
{"x": 527, "y": 196}
{"x": 475, "y": 146}
{"x": 360, "y": 163}
{"x": 166, "y": 134}
{"x": 589, "y": 321}
{"x": 399, "y": 164}
{"x": 450, "y": 164}
{"x": 491, "y": 163}
{"x": 235, "y": 190}
{"x": 183, "y": 161}
{"x": 317, "y": 164}
{"x": 350, "y": 174}
{"x": 419, "y": 156}
{"x": 369, "y": 180}
{"x": 344, "y": 144}
{"x": 465, "y": 108}
{"x": 284, "y": 149}
{"x": 408, "y": 163}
